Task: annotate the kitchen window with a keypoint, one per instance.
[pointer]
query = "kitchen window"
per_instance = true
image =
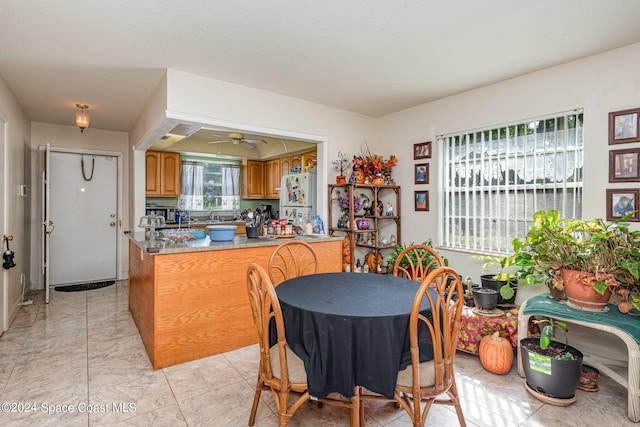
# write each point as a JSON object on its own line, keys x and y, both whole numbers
{"x": 209, "y": 186}
{"x": 494, "y": 179}
{"x": 221, "y": 189}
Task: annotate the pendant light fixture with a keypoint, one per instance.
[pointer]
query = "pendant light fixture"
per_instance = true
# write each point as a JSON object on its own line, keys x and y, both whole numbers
{"x": 82, "y": 118}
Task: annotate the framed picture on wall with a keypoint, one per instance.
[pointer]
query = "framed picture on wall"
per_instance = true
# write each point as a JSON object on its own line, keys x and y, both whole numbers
{"x": 621, "y": 202}
{"x": 623, "y": 126}
{"x": 422, "y": 200}
{"x": 623, "y": 165}
{"x": 422, "y": 150}
{"x": 421, "y": 173}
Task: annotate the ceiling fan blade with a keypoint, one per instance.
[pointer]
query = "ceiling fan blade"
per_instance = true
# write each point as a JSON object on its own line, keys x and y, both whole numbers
{"x": 245, "y": 144}
{"x": 255, "y": 141}
{"x": 221, "y": 141}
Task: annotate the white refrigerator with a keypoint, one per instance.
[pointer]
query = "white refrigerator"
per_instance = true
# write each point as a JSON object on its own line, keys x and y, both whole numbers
{"x": 298, "y": 197}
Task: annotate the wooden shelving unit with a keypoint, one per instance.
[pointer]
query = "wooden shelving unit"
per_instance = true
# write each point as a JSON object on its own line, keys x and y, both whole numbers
{"x": 377, "y": 220}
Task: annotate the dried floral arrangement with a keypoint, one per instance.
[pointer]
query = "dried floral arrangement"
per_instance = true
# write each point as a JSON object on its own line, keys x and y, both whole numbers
{"x": 374, "y": 167}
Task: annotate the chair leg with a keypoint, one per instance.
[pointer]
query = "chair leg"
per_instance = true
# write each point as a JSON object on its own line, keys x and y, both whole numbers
{"x": 354, "y": 410}
{"x": 283, "y": 419}
{"x": 361, "y": 406}
{"x": 256, "y": 400}
{"x": 453, "y": 395}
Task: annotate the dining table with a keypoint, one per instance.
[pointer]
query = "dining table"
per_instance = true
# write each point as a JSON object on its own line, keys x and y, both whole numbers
{"x": 352, "y": 329}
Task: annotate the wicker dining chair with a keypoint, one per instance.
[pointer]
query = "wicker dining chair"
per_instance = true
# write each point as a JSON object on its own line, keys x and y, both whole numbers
{"x": 291, "y": 259}
{"x": 421, "y": 260}
{"x": 419, "y": 384}
{"x": 280, "y": 370}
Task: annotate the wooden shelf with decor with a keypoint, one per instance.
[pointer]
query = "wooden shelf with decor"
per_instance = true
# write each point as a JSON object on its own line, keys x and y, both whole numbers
{"x": 370, "y": 238}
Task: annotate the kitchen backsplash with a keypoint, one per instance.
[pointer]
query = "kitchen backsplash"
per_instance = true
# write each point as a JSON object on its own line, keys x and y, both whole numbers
{"x": 252, "y": 204}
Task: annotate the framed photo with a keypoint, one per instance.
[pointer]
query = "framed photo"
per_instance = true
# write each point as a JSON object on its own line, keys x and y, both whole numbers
{"x": 623, "y": 165}
{"x": 623, "y": 126}
{"x": 622, "y": 201}
{"x": 421, "y": 173}
{"x": 422, "y": 150}
{"x": 421, "y": 200}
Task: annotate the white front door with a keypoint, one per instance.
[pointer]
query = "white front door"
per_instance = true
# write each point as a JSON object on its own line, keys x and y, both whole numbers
{"x": 83, "y": 217}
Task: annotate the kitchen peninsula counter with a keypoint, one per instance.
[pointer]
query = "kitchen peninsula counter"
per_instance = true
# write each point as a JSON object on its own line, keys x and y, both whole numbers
{"x": 191, "y": 301}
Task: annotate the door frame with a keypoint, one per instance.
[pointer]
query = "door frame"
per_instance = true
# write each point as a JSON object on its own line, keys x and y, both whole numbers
{"x": 118, "y": 155}
{"x": 4, "y": 225}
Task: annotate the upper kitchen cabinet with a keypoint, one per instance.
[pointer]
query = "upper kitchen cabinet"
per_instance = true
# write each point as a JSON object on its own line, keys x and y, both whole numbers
{"x": 272, "y": 177}
{"x": 290, "y": 162}
{"x": 252, "y": 179}
{"x": 163, "y": 174}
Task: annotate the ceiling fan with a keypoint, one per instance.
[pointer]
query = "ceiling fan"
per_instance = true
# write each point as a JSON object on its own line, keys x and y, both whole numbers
{"x": 238, "y": 139}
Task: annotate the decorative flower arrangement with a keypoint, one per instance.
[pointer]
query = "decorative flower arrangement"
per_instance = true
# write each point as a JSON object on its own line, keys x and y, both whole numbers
{"x": 343, "y": 202}
{"x": 373, "y": 166}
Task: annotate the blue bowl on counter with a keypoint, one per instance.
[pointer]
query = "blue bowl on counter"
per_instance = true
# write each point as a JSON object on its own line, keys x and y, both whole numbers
{"x": 221, "y": 233}
{"x": 199, "y": 233}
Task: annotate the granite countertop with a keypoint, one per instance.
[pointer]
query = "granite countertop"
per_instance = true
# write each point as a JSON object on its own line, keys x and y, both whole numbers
{"x": 200, "y": 245}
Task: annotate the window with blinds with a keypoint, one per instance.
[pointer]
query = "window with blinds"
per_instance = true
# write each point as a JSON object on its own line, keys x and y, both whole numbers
{"x": 494, "y": 179}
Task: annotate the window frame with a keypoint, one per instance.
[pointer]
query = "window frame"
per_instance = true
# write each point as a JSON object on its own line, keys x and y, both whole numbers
{"x": 505, "y": 154}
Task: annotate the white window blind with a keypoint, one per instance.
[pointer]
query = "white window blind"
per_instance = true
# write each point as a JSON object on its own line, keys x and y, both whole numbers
{"x": 495, "y": 178}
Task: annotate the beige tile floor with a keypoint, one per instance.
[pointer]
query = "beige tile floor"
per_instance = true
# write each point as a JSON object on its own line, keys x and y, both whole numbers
{"x": 82, "y": 352}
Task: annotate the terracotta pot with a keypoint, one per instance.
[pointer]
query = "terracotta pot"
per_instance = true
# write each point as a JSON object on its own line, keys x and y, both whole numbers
{"x": 341, "y": 179}
{"x": 588, "y": 378}
{"x": 579, "y": 288}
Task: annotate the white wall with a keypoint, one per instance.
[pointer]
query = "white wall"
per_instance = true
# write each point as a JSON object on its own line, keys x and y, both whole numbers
{"x": 70, "y": 137}
{"x": 16, "y": 144}
{"x": 599, "y": 84}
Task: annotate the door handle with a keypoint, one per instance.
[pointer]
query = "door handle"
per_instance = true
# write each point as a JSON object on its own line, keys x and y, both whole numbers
{"x": 112, "y": 224}
{"x": 49, "y": 224}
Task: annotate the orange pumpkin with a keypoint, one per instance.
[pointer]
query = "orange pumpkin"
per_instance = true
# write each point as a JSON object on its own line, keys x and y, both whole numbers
{"x": 496, "y": 354}
{"x": 373, "y": 260}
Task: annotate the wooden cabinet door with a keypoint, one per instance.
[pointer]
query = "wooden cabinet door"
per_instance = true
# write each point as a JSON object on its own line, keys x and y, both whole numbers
{"x": 252, "y": 179}
{"x": 153, "y": 179}
{"x": 170, "y": 179}
{"x": 272, "y": 177}
{"x": 296, "y": 162}
{"x": 285, "y": 166}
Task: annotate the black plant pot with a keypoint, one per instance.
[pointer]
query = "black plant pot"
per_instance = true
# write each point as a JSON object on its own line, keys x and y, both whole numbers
{"x": 552, "y": 377}
{"x": 488, "y": 281}
{"x": 485, "y": 298}
{"x": 468, "y": 299}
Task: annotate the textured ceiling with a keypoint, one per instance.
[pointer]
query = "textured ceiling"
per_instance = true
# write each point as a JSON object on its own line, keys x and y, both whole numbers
{"x": 368, "y": 56}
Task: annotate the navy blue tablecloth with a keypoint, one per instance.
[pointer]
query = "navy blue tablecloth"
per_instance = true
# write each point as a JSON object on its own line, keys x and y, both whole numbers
{"x": 351, "y": 329}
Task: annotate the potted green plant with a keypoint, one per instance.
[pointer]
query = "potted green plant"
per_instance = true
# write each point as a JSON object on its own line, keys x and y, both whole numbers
{"x": 551, "y": 367}
{"x": 505, "y": 283}
{"x": 602, "y": 258}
